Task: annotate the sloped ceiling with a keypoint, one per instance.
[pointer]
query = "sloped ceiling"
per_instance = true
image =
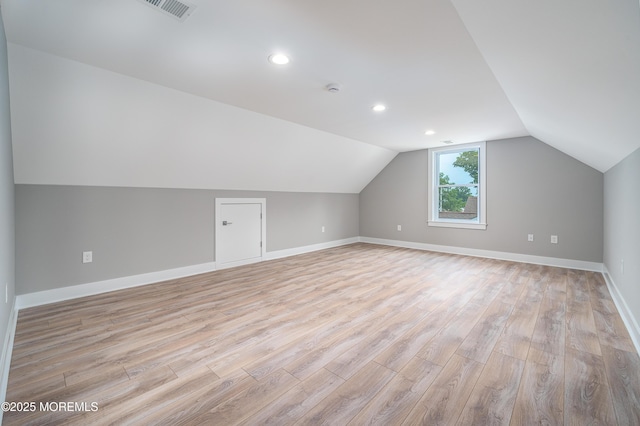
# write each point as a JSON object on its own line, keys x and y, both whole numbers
{"x": 566, "y": 73}
{"x": 570, "y": 68}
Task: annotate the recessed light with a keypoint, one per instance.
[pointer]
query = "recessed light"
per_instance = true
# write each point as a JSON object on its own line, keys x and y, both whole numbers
{"x": 279, "y": 59}
{"x": 379, "y": 108}
{"x": 430, "y": 132}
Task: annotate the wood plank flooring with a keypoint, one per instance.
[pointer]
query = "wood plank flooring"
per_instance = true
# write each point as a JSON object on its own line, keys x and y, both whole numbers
{"x": 359, "y": 334}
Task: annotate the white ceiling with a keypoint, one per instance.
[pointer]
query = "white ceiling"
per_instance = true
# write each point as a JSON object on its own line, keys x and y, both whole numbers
{"x": 565, "y": 72}
{"x": 570, "y": 68}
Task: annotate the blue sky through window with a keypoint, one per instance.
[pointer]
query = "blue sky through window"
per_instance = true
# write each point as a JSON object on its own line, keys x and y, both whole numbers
{"x": 456, "y": 174}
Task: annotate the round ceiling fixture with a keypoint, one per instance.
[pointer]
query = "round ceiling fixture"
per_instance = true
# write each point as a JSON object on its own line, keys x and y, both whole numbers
{"x": 379, "y": 108}
{"x": 279, "y": 59}
{"x": 430, "y": 132}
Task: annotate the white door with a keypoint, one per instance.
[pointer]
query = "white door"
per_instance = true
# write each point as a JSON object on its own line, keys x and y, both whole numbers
{"x": 239, "y": 231}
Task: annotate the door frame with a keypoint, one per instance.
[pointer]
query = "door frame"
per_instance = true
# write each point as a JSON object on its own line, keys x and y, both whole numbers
{"x": 218, "y": 227}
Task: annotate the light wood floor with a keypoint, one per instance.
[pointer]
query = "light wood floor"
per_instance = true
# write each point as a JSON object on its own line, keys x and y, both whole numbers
{"x": 360, "y": 334}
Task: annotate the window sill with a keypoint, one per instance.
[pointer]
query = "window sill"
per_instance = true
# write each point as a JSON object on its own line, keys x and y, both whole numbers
{"x": 462, "y": 225}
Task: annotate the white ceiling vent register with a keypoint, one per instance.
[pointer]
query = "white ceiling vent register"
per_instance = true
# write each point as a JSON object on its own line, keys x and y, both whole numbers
{"x": 177, "y": 9}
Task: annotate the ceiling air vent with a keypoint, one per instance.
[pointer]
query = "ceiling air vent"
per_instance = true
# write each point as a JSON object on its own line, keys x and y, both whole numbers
{"x": 178, "y": 9}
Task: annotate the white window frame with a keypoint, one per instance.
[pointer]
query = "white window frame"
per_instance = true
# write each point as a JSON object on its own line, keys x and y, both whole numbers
{"x": 481, "y": 221}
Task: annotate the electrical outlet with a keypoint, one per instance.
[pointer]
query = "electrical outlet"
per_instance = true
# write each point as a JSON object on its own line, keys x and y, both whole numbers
{"x": 399, "y": 227}
{"x": 323, "y": 229}
{"x": 554, "y": 239}
{"x": 87, "y": 256}
{"x": 530, "y": 237}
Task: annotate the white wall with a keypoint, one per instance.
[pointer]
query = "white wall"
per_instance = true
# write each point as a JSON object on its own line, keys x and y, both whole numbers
{"x": 74, "y": 124}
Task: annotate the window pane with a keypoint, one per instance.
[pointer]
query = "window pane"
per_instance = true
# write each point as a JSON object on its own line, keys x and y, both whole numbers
{"x": 457, "y": 186}
{"x": 458, "y": 167}
{"x": 458, "y": 202}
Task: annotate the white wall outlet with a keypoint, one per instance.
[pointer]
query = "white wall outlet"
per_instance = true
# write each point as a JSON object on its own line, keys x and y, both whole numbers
{"x": 399, "y": 227}
{"x": 87, "y": 256}
{"x": 530, "y": 237}
{"x": 554, "y": 239}
{"x": 323, "y": 229}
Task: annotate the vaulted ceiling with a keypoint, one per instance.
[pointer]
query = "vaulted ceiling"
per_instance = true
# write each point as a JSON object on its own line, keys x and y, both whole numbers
{"x": 564, "y": 72}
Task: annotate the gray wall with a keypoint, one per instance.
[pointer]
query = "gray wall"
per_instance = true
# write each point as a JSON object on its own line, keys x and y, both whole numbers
{"x": 138, "y": 230}
{"x": 7, "y": 235}
{"x": 622, "y": 229}
{"x": 531, "y": 188}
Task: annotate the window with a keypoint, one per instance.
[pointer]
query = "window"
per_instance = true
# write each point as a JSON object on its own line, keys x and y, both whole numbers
{"x": 457, "y": 186}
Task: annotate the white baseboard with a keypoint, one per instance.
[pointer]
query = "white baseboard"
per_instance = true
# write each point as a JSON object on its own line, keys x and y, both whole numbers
{"x": 514, "y": 257}
{"x": 5, "y": 360}
{"x": 89, "y": 289}
{"x": 238, "y": 263}
{"x": 307, "y": 249}
{"x": 626, "y": 314}
{"x": 72, "y": 292}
